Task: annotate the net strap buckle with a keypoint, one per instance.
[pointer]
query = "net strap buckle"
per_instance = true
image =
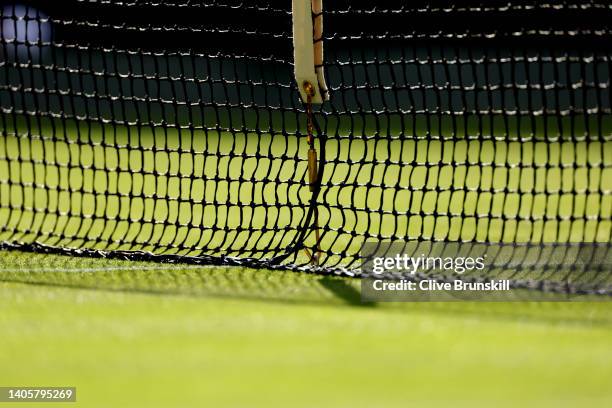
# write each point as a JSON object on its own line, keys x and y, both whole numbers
{"x": 313, "y": 172}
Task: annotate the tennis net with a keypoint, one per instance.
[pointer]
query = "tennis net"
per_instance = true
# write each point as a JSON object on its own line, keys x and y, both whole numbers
{"x": 174, "y": 130}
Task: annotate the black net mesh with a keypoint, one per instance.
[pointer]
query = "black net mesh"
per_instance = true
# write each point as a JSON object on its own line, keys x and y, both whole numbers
{"x": 174, "y": 128}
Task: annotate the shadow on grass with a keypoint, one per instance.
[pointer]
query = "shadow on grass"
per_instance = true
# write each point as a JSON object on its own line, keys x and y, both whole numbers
{"x": 343, "y": 290}
{"x": 281, "y": 287}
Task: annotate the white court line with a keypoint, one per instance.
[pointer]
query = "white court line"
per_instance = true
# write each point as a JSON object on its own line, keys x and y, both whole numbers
{"x": 115, "y": 268}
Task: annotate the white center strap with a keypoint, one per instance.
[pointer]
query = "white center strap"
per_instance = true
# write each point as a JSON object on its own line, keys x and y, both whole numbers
{"x": 308, "y": 48}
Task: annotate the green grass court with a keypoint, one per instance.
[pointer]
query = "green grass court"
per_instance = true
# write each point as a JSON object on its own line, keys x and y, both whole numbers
{"x": 147, "y": 335}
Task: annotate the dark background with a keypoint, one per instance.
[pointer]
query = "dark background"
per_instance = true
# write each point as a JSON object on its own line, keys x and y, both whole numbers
{"x": 200, "y": 63}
